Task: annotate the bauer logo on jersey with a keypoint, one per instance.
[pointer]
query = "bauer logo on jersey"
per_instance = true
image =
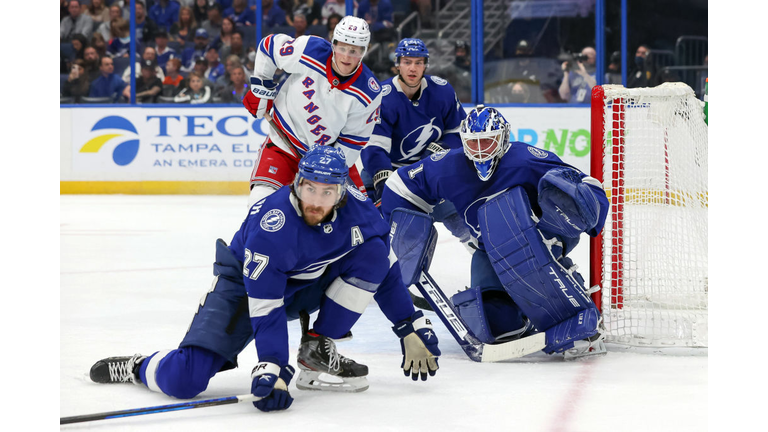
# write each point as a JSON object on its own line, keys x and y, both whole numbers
{"x": 373, "y": 85}
{"x": 438, "y": 80}
{"x": 114, "y": 127}
{"x": 541, "y": 154}
{"x": 273, "y": 220}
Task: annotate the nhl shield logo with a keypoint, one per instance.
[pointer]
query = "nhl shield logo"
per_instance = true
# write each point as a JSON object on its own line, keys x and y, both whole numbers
{"x": 327, "y": 228}
{"x": 273, "y": 220}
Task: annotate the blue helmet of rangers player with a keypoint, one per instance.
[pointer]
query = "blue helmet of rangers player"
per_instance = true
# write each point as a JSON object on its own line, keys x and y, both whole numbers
{"x": 485, "y": 137}
{"x": 410, "y": 47}
{"x": 322, "y": 164}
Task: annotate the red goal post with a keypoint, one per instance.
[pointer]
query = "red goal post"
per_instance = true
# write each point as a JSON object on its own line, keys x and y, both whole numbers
{"x": 649, "y": 149}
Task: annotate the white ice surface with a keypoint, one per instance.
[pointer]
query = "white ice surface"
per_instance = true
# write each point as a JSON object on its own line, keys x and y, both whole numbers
{"x": 133, "y": 269}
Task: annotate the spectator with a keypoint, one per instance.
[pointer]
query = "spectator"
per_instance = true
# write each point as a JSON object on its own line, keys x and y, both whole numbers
{"x": 240, "y": 13}
{"x": 639, "y": 75}
{"x": 299, "y": 25}
{"x": 613, "y": 75}
{"x": 332, "y": 7}
{"x": 332, "y": 21}
{"x": 98, "y": 12}
{"x": 311, "y": 9}
{"x": 212, "y": 25}
{"x": 520, "y": 93}
{"x": 108, "y": 84}
{"x": 425, "y": 11}
{"x": 385, "y": 68}
{"x": 198, "y": 50}
{"x": 231, "y": 63}
{"x": 147, "y": 55}
{"x": 183, "y": 30}
{"x": 75, "y": 23}
{"x": 224, "y": 37}
{"x": 462, "y": 58}
{"x": 235, "y": 91}
{"x": 459, "y": 73}
{"x": 148, "y": 85}
{"x": 91, "y": 63}
{"x": 200, "y": 10}
{"x": 540, "y": 76}
{"x": 173, "y": 82}
{"x": 215, "y": 68}
{"x": 200, "y": 66}
{"x": 79, "y": 42}
{"x": 579, "y": 77}
{"x": 145, "y": 27}
{"x": 120, "y": 43}
{"x": 235, "y": 47}
{"x": 378, "y": 15}
{"x": 77, "y": 82}
{"x": 63, "y": 12}
{"x": 99, "y": 44}
{"x": 196, "y": 92}
{"x": 163, "y": 52}
{"x": 164, "y": 13}
{"x": 272, "y": 14}
{"x": 104, "y": 28}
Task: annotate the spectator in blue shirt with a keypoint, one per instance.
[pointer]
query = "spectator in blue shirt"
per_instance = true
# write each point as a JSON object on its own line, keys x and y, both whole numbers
{"x": 164, "y": 13}
{"x": 215, "y": 67}
{"x": 240, "y": 13}
{"x": 378, "y": 15}
{"x": 108, "y": 84}
{"x": 272, "y": 15}
{"x": 191, "y": 53}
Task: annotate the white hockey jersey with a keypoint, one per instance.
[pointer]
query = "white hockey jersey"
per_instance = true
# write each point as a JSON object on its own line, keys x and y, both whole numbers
{"x": 313, "y": 107}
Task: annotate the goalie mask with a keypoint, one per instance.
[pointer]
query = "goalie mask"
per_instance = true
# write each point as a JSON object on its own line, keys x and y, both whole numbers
{"x": 322, "y": 165}
{"x": 485, "y": 138}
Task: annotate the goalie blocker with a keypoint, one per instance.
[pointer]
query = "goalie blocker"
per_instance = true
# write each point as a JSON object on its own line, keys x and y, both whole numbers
{"x": 528, "y": 300}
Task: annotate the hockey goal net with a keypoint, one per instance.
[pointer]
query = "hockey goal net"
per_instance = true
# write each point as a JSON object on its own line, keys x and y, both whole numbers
{"x": 649, "y": 148}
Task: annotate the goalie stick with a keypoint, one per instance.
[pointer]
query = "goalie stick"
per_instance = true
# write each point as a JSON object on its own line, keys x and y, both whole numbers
{"x": 475, "y": 350}
{"x": 159, "y": 409}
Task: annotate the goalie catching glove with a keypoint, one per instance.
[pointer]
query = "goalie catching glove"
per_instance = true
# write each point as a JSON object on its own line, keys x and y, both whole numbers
{"x": 260, "y": 98}
{"x": 270, "y": 382}
{"x": 419, "y": 346}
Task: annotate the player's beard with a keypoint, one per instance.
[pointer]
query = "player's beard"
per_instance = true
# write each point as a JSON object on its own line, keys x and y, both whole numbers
{"x": 313, "y": 215}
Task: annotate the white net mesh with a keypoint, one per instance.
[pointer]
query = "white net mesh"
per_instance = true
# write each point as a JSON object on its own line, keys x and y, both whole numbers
{"x": 654, "y": 273}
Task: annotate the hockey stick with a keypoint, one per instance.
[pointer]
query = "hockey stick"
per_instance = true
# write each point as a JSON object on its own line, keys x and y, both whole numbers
{"x": 281, "y": 134}
{"x": 475, "y": 350}
{"x": 159, "y": 409}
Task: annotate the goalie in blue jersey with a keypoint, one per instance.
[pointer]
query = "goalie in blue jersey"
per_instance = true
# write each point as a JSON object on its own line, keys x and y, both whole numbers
{"x": 527, "y": 208}
{"x": 420, "y": 116}
{"x": 317, "y": 245}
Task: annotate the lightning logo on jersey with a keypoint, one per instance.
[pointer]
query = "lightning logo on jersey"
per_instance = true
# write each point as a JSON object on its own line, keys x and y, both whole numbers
{"x": 425, "y": 134}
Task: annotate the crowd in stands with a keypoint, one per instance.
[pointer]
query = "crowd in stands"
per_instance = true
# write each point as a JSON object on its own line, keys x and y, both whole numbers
{"x": 202, "y": 51}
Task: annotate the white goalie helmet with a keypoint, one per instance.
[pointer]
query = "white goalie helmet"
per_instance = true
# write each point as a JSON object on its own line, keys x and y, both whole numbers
{"x": 352, "y": 30}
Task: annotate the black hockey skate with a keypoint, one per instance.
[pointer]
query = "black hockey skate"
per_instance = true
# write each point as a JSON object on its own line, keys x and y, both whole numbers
{"x": 115, "y": 370}
{"x": 321, "y": 367}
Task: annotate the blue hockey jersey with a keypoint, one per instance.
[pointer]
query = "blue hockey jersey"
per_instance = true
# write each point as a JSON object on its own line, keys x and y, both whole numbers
{"x": 281, "y": 255}
{"x": 450, "y": 175}
{"x": 408, "y": 126}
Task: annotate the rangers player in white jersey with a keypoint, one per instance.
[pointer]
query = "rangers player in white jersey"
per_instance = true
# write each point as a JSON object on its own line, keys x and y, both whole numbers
{"x": 330, "y": 98}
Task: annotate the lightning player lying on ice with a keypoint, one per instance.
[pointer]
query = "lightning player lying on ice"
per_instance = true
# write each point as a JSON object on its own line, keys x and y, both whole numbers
{"x": 329, "y": 98}
{"x": 527, "y": 208}
{"x": 420, "y": 116}
{"x": 316, "y": 245}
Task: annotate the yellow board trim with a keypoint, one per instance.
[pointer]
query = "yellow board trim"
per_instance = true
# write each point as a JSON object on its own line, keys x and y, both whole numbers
{"x": 154, "y": 187}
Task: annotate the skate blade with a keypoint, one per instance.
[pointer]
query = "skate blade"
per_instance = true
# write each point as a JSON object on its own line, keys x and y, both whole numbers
{"x": 596, "y": 350}
{"x": 320, "y": 381}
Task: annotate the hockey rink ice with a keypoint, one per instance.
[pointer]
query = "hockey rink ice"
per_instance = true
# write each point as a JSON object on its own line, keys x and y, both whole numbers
{"x": 133, "y": 270}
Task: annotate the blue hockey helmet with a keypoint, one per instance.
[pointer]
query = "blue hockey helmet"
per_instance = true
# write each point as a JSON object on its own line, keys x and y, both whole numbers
{"x": 485, "y": 138}
{"x": 323, "y": 164}
{"x": 410, "y": 47}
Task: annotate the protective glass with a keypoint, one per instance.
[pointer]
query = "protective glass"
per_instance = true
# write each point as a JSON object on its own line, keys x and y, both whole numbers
{"x": 318, "y": 194}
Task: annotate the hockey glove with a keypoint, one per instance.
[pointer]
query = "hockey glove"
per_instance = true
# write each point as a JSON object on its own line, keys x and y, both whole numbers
{"x": 419, "y": 346}
{"x": 259, "y": 100}
{"x": 432, "y": 148}
{"x": 378, "y": 184}
{"x": 569, "y": 206}
{"x": 270, "y": 382}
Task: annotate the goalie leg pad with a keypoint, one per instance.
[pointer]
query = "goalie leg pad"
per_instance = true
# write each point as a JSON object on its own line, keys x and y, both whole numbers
{"x": 545, "y": 291}
{"x": 490, "y": 314}
{"x": 578, "y": 327}
{"x": 413, "y": 239}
